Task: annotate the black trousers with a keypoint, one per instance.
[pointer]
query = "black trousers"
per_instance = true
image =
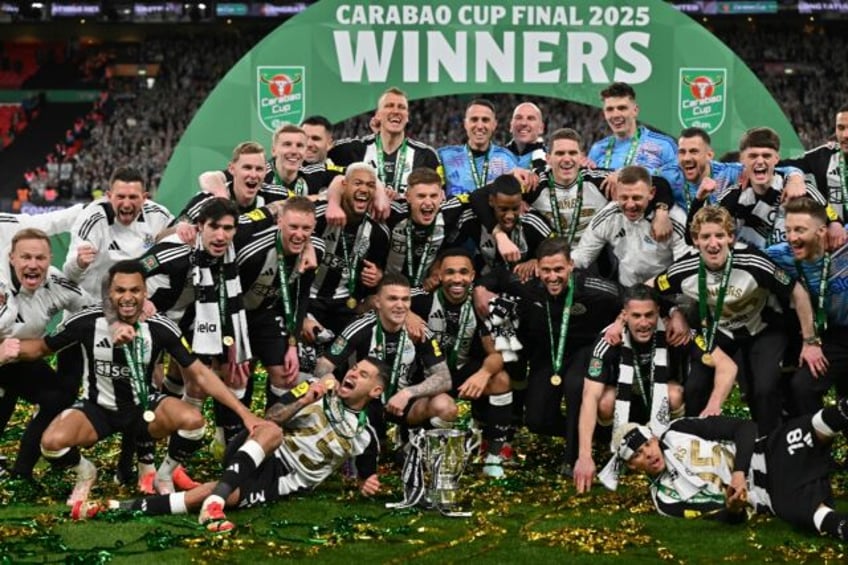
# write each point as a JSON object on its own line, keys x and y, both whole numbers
{"x": 543, "y": 401}
{"x": 759, "y": 376}
{"x": 807, "y": 391}
{"x": 37, "y": 383}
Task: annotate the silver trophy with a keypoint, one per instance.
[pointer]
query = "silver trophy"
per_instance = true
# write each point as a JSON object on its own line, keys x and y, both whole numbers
{"x": 435, "y": 461}
{"x": 445, "y": 457}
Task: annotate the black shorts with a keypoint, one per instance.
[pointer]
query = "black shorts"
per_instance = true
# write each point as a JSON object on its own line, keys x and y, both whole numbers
{"x": 400, "y": 420}
{"x": 268, "y": 340}
{"x": 264, "y": 484}
{"x": 188, "y": 333}
{"x": 126, "y": 420}
{"x": 798, "y": 472}
{"x": 332, "y": 314}
{"x": 461, "y": 375}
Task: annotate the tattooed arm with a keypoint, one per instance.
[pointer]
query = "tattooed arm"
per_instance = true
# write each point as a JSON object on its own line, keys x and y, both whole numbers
{"x": 438, "y": 380}
{"x": 293, "y": 401}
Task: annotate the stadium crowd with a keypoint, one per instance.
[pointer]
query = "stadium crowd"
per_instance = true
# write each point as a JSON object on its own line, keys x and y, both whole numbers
{"x": 195, "y": 65}
{"x": 609, "y": 285}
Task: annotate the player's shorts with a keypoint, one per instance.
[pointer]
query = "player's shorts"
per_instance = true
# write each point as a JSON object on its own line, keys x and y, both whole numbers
{"x": 461, "y": 375}
{"x": 32, "y": 380}
{"x": 126, "y": 420}
{"x": 798, "y": 468}
{"x": 264, "y": 484}
{"x": 267, "y": 335}
{"x": 399, "y": 420}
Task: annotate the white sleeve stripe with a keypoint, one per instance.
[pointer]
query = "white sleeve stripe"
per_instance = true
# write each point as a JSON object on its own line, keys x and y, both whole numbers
{"x": 173, "y": 254}
{"x": 358, "y": 325}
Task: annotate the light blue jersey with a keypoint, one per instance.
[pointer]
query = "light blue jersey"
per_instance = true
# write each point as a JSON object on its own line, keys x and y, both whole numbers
{"x": 836, "y": 300}
{"x": 725, "y": 175}
{"x": 656, "y": 152}
{"x": 462, "y": 177}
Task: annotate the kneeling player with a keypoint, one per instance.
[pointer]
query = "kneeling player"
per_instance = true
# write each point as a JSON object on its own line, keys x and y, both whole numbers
{"x": 640, "y": 379}
{"x": 117, "y": 393}
{"x": 476, "y": 368}
{"x": 412, "y": 397}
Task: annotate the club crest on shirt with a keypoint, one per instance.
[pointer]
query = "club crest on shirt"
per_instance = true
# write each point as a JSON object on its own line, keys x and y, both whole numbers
{"x": 149, "y": 263}
{"x": 338, "y": 345}
{"x": 781, "y": 276}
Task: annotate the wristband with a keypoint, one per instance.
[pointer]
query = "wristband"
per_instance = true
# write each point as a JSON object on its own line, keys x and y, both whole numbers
{"x": 813, "y": 340}
{"x": 294, "y": 394}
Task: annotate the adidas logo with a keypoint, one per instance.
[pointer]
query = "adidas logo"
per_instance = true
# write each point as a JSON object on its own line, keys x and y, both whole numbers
{"x": 621, "y": 233}
{"x": 20, "y": 319}
{"x": 269, "y": 272}
{"x": 437, "y": 315}
{"x": 104, "y": 343}
{"x": 114, "y": 246}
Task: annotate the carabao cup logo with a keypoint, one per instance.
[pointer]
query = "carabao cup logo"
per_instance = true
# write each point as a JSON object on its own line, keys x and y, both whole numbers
{"x": 280, "y": 95}
{"x": 703, "y": 98}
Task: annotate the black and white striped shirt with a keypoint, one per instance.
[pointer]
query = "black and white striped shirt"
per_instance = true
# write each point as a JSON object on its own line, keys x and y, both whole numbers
{"x": 753, "y": 279}
{"x": 352, "y": 150}
{"x": 107, "y": 379}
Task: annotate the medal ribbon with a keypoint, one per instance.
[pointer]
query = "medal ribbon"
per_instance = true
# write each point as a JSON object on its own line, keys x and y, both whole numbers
{"x": 300, "y": 188}
{"x": 381, "y": 353}
{"x": 134, "y": 354}
{"x": 415, "y": 275}
{"x": 843, "y": 175}
{"x": 711, "y": 328}
{"x": 479, "y": 179}
{"x": 821, "y": 313}
{"x": 289, "y": 311}
{"x": 631, "y": 152}
{"x": 558, "y": 353}
{"x": 575, "y": 215}
{"x": 335, "y": 412}
{"x": 400, "y": 163}
{"x": 464, "y": 318}
{"x": 353, "y": 266}
{"x": 638, "y": 374}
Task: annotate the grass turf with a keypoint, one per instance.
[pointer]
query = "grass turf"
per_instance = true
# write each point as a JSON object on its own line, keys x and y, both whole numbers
{"x": 533, "y": 516}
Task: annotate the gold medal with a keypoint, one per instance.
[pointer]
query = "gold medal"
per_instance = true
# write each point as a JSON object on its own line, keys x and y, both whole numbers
{"x": 292, "y": 341}
{"x": 556, "y": 380}
{"x": 228, "y": 340}
{"x": 708, "y": 360}
{"x": 148, "y": 416}
{"x": 351, "y": 303}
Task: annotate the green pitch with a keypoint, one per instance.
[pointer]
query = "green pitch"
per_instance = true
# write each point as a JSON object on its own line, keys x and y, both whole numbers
{"x": 533, "y": 516}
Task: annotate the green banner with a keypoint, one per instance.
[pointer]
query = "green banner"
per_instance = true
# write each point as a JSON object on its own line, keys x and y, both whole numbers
{"x": 338, "y": 56}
